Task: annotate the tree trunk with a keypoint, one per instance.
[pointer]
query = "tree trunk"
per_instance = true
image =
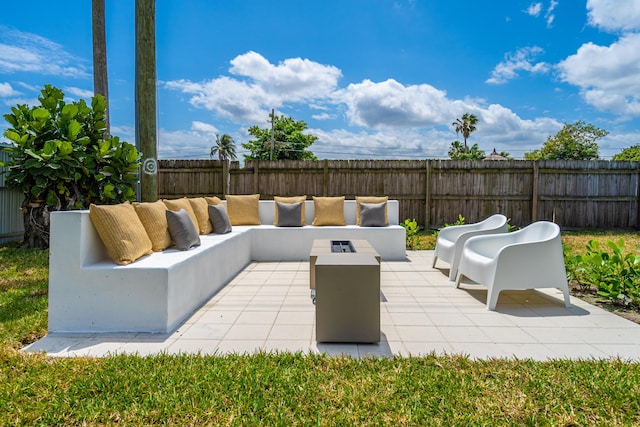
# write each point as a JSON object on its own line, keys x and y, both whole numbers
{"x": 100, "y": 80}
{"x": 36, "y": 224}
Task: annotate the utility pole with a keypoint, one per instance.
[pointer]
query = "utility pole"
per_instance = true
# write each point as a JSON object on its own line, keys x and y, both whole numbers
{"x": 146, "y": 110}
{"x": 272, "y": 139}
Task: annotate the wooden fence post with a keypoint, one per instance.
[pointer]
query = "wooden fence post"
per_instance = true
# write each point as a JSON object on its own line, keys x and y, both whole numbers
{"x": 638, "y": 197}
{"x": 534, "y": 192}
{"x": 226, "y": 178}
{"x": 255, "y": 176}
{"x": 427, "y": 197}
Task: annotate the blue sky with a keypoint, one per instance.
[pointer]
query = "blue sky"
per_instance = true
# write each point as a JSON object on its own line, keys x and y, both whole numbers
{"x": 371, "y": 78}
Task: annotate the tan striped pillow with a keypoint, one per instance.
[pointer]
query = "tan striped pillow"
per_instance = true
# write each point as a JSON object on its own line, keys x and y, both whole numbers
{"x": 154, "y": 219}
{"x": 121, "y": 231}
{"x": 214, "y": 200}
{"x": 201, "y": 210}
{"x": 243, "y": 210}
{"x": 328, "y": 210}
{"x": 183, "y": 203}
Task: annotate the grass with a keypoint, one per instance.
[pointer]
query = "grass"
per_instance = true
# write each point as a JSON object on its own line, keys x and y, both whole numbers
{"x": 296, "y": 389}
{"x": 576, "y": 240}
{"x": 23, "y": 295}
{"x": 289, "y": 389}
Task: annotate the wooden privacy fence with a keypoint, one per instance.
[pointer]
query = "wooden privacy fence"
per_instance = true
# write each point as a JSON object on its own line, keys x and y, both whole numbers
{"x": 574, "y": 194}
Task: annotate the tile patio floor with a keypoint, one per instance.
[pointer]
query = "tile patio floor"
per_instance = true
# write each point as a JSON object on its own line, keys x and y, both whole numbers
{"x": 268, "y": 307}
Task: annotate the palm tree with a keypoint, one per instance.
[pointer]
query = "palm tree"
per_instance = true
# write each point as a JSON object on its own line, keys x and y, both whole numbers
{"x": 465, "y": 125}
{"x": 225, "y": 148}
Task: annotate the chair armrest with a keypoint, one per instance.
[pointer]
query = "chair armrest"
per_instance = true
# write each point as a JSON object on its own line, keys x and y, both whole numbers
{"x": 489, "y": 245}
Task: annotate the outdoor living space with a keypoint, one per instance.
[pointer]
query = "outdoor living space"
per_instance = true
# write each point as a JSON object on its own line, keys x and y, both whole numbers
{"x": 267, "y": 307}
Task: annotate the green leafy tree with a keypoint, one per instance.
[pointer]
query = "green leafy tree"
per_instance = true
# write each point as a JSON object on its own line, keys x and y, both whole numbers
{"x": 575, "y": 141}
{"x": 60, "y": 159}
{"x": 288, "y": 140}
{"x": 630, "y": 153}
{"x": 465, "y": 125}
{"x": 457, "y": 151}
{"x": 224, "y": 148}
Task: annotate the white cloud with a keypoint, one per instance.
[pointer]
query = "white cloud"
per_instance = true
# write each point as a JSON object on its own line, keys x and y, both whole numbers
{"x": 6, "y": 90}
{"x": 522, "y": 59}
{"x": 549, "y": 15}
{"x": 615, "y": 142}
{"x": 294, "y": 78}
{"x": 392, "y": 105}
{"x": 323, "y": 116}
{"x": 263, "y": 86}
{"x": 395, "y": 120}
{"x": 498, "y": 128}
{"x": 389, "y": 143}
{"x": 15, "y": 101}
{"x": 534, "y": 9}
{"x": 618, "y": 15}
{"x": 183, "y": 144}
{"x": 608, "y": 76}
{"x": 203, "y": 127}
{"x": 81, "y": 93}
{"x": 27, "y": 52}
{"x": 501, "y": 128}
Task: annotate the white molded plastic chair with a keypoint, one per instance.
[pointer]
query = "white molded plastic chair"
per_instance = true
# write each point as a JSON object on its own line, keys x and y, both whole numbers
{"x": 451, "y": 239}
{"x": 525, "y": 259}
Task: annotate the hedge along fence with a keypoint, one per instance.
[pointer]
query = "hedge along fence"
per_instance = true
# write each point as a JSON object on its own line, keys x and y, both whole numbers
{"x": 575, "y": 194}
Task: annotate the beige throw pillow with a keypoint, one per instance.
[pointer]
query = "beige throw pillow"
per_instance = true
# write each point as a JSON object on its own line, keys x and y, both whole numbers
{"x": 328, "y": 211}
{"x": 201, "y": 210}
{"x": 213, "y": 200}
{"x": 154, "y": 219}
{"x": 243, "y": 210}
{"x": 121, "y": 231}
{"x": 183, "y": 203}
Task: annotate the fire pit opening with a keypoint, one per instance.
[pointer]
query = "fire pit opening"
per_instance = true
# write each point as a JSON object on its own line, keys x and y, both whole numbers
{"x": 343, "y": 246}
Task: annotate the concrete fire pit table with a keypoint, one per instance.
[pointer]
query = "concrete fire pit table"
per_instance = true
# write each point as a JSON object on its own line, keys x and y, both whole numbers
{"x": 346, "y": 278}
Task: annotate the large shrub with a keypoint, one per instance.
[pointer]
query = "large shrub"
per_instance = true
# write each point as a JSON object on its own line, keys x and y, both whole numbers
{"x": 614, "y": 272}
{"x": 60, "y": 159}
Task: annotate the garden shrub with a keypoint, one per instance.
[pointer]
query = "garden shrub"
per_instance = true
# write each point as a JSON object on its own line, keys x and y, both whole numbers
{"x": 615, "y": 274}
{"x": 61, "y": 158}
{"x": 411, "y": 227}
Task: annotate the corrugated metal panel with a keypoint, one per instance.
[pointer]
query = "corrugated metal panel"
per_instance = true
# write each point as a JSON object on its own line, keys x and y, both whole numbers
{"x": 11, "y": 222}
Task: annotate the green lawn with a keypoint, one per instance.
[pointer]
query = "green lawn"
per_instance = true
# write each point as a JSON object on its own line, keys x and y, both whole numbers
{"x": 287, "y": 389}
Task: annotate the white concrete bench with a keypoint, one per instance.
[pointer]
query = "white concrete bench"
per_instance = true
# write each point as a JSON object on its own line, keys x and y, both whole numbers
{"x": 90, "y": 293}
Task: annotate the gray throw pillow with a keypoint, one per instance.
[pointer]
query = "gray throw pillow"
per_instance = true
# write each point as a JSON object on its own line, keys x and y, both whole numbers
{"x": 289, "y": 214}
{"x": 219, "y": 219}
{"x": 182, "y": 229}
{"x": 372, "y": 214}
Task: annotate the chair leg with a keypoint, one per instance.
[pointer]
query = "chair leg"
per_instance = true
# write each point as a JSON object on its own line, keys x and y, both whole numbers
{"x": 458, "y": 279}
{"x": 567, "y": 298}
{"x": 492, "y": 299}
{"x": 435, "y": 259}
{"x": 453, "y": 274}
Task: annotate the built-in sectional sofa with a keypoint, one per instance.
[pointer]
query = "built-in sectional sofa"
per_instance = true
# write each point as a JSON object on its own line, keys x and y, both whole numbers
{"x": 88, "y": 292}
